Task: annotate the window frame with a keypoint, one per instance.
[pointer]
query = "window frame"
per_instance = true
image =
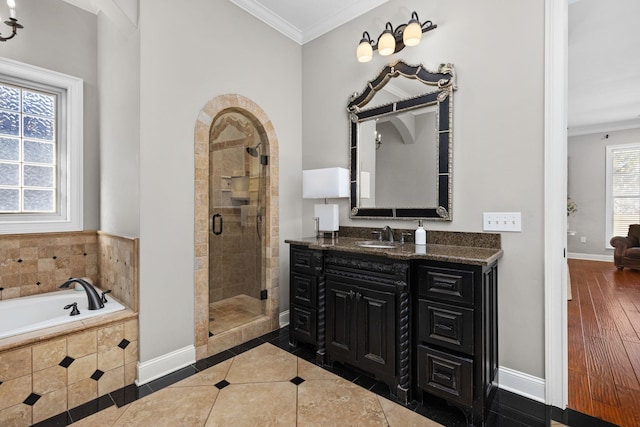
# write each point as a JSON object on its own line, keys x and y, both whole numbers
{"x": 609, "y": 188}
{"x": 69, "y": 212}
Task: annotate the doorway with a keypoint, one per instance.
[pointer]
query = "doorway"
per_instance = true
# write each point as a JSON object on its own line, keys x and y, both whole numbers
{"x": 236, "y": 268}
{"x": 238, "y": 161}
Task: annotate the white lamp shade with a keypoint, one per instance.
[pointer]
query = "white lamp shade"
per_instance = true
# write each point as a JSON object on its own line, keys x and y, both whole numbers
{"x": 412, "y": 34}
{"x": 386, "y": 44}
{"x": 325, "y": 183}
{"x": 364, "y": 52}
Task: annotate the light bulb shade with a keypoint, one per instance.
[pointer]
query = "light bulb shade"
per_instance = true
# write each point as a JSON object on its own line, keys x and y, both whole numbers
{"x": 11, "y": 4}
{"x": 412, "y": 33}
{"x": 364, "y": 51}
{"x": 386, "y": 43}
{"x": 325, "y": 183}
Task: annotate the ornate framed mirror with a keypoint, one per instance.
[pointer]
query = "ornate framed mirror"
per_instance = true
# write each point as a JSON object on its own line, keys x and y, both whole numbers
{"x": 401, "y": 140}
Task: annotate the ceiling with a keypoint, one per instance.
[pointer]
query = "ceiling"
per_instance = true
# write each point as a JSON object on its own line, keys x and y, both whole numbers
{"x": 304, "y": 20}
{"x": 603, "y": 66}
{"x": 603, "y": 59}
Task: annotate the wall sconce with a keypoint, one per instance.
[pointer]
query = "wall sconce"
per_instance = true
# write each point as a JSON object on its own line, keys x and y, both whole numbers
{"x": 323, "y": 184}
{"x": 378, "y": 140}
{"x": 392, "y": 41}
{"x": 12, "y": 21}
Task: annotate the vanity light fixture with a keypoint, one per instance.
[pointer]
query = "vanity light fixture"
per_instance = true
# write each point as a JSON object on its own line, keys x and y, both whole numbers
{"x": 392, "y": 41}
{"x": 12, "y": 21}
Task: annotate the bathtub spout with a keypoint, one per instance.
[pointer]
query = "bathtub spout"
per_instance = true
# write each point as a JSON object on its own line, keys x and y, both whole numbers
{"x": 95, "y": 303}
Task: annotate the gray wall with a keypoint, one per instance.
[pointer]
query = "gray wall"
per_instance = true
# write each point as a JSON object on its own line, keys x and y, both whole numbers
{"x": 587, "y": 173}
{"x": 119, "y": 82}
{"x": 497, "y": 48}
{"x": 182, "y": 67}
{"x": 61, "y": 37}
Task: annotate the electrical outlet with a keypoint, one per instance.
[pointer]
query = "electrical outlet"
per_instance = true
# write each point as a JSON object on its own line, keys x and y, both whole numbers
{"x": 502, "y": 221}
{"x": 583, "y": 239}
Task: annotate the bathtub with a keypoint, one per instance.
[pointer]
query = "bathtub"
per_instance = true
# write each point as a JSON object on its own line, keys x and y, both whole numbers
{"x": 27, "y": 314}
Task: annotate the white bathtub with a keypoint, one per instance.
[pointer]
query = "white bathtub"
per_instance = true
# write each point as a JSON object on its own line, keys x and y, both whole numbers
{"x": 21, "y": 315}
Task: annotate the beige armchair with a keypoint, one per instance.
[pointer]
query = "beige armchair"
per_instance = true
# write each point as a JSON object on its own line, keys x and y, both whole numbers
{"x": 627, "y": 249}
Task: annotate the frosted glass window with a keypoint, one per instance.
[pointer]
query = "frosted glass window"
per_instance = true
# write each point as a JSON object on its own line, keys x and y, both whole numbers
{"x": 9, "y": 174}
{"x": 9, "y": 200}
{"x": 38, "y": 176}
{"x": 9, "y": 123}
{"x": 28, "y": 150}
{"x": 36, "y": 127}
{"x": 9, "y": 98}
{"x": 38, "y": 200}
{"x": 38, "y": 152}
{"x": 38, "y": 104}
{"x": 9, "y": 149}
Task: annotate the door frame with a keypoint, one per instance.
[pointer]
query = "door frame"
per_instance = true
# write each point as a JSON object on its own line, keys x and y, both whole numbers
{"x": 555, "y": 196}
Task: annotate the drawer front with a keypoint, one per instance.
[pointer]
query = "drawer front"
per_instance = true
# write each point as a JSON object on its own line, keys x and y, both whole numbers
{"x": 445, "y": 375}
{"x": 304, "y": 260}
{"x": 304, "y": 290}
{"x": 445, "y": 284}
{"x": 446, "y": 325}
{"x": 303, "y": 324}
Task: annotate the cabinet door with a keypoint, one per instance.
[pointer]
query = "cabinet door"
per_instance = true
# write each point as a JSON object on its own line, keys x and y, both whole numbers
{"x": 376, "y": 330}
{"x": 341, "y": 319}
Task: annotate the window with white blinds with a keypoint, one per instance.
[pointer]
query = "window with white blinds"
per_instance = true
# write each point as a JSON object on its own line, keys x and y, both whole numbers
{"x": 623, "y": 189}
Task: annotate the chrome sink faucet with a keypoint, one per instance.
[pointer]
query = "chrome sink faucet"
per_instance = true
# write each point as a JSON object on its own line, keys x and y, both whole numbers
{"x": 95, "y": 302}
{"x": 388, "y": 231}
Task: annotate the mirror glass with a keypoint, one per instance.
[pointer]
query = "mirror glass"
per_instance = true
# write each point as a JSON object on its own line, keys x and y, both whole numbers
{"x": 401, "y": 144}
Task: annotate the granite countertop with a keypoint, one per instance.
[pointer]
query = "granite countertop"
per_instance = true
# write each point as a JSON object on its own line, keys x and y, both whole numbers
{"x": 440, "y": 251}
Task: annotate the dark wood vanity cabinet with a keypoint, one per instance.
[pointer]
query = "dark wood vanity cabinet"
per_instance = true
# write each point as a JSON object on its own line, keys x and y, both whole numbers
{"x": 306, "y": 294}
{"x": 367, "y": 316}
{"x": 424, "y": 327}
{"x": 456, "y": 334}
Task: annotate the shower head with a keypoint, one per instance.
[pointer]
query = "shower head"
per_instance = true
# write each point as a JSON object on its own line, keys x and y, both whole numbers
{"x": 253, "y": 151}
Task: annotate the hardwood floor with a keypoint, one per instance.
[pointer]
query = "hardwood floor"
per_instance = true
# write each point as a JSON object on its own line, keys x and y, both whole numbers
{"x": 604, "y": 342}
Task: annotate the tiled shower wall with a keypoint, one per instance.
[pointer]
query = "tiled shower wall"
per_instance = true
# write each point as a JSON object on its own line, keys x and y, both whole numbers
{"x": 38, "y": 263}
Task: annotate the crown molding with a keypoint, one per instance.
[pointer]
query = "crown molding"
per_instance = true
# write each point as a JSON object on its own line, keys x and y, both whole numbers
{"x": 304, "y": 35}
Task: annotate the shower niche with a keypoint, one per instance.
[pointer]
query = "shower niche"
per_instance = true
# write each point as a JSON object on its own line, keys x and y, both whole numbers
{"x": 238, "y": 161}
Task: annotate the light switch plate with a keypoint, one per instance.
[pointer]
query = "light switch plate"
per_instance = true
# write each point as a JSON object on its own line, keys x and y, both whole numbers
{"x": 502, "y": 221}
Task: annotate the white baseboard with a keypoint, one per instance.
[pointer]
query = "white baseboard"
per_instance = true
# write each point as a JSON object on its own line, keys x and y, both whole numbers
{"x": 284, "y": 318}
{"x": 590, "y": 257}
{"x": 165, "y": 364}
{"x": 523, "y": 384}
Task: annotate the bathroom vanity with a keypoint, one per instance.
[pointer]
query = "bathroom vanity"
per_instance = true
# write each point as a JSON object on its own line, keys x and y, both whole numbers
{"x": 422, "y": 321}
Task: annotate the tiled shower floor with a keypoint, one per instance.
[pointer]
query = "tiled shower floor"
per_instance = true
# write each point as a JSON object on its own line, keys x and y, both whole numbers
{"x": 231, "y": 312}
{"x": 267, "y": 382}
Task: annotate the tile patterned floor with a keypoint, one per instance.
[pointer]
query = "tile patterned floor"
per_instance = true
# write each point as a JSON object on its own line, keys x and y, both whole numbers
{"x": 265, "y": 386}
{"x": 268, "y": 382}
{"x": 231, "y": 312}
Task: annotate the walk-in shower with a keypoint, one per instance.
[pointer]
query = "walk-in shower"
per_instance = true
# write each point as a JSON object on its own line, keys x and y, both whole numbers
{"x": 238, "y": 161}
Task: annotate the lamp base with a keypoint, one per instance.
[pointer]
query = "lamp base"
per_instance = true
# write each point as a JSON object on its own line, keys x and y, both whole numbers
{"x": 328, "y": 217}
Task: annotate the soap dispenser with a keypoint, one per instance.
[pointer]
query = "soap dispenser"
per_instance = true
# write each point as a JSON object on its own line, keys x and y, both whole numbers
{"x": 421, "y": 234}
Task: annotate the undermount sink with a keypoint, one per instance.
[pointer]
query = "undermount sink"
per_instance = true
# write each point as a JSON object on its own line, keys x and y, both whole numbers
{"x": 378, "y": 244}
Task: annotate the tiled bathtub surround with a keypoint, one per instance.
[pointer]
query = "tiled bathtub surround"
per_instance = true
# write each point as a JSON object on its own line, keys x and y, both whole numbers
{"x": 38, "y": 263}
{"x": 118, "y": 267}
{"x": 43, "y": 373}
{"x": 45, "y": 379}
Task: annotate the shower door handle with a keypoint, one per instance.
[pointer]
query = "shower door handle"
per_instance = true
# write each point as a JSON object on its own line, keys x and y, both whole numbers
{"x": 213, "y": 224}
